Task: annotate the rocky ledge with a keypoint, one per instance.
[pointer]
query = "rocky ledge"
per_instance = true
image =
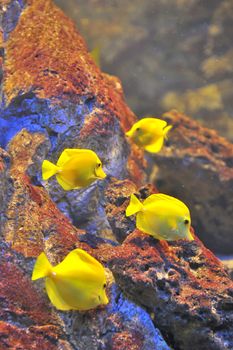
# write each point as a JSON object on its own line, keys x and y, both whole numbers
{"x": 163, "y": 295}
{"x": 197, "y": 166}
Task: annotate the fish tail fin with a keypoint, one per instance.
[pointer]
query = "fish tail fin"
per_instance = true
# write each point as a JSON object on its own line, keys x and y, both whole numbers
{"x": 42, "y": 267}
{"x": 48, "y": 169}
{"x": 95, "y": 54}
{"x": 134, "y": 206}
{"x": 166, "y": 130}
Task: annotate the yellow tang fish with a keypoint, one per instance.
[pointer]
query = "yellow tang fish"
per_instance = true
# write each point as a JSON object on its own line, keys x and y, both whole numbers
{"x": 149, "y": 133}
{"x": 77, "y": 283}
{"x": 95, "y": 54}
{"x": 75, "y": 168}
{"x": 161, "y": 216}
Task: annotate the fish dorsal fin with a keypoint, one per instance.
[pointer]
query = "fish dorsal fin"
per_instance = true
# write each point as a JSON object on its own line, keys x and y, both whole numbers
{"x": 165, "y": 197}
{"x": 155, "y": 122}
{"x": 85, "y": 257}
{"x": 69, "y": 153}
{"x": 148, "y": 122}
{"x": 64, "y": 184}
{"x": 76, "y": 257}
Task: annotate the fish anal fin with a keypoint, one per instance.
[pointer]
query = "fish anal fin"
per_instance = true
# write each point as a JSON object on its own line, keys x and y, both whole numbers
{"x": 156, "y": 146}
{"x": 55, "y": 297}
{"x": 148, "y": 231}
{"x": 64, "y": 184}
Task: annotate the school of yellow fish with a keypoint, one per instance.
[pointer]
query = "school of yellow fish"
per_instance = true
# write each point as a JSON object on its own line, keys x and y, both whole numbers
{"x": 79, "y": 281}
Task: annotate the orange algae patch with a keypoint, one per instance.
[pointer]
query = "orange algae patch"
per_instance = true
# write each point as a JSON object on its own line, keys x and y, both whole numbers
{"x": 46, "y": 54}
{"x": 40, "y": 53}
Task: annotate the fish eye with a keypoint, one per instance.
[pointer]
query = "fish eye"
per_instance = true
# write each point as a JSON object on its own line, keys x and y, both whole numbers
{"x": 105, "y": 285}
{"x": 186, "y": 221}
{"x": 137, "y": 129}
{"x": 98, "y": 165}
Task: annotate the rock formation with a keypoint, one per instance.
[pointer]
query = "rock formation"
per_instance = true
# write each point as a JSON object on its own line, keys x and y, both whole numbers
{"x": 196, "y": 165}
{"x": 163, "y": 295}
{"x": 181, "y": 50}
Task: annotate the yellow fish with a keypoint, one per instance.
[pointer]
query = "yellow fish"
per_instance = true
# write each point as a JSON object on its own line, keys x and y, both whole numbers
{"x": 161, "y": 216}
{"x": 95, "y": 54}
{"x": 77, "y": 283}
{"x": 76, "y": 168}
{"x": 149, "y": 133}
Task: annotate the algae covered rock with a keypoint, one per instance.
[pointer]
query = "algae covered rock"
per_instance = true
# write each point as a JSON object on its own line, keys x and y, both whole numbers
{"x": 55, "y": 97}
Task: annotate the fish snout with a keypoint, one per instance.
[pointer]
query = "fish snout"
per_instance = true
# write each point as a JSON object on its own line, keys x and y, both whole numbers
{"x": 101, "y": 174}
{"x": 105, "y": 299}
{"x": 129, "y": 133}
{"x": 190, "y": 236}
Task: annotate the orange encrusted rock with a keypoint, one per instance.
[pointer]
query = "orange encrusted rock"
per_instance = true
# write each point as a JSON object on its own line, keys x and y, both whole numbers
{"x": 197, "y": 166}
{"x": 165, "y": 296}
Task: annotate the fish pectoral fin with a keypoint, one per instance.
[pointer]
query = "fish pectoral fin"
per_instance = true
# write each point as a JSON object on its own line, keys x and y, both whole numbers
{"x": 69, "y": 153}
{"x": 64, "y": 184}
{"x": 172, "y": 223}
{"x": 156, "y": 146}
{"x": 54, "y": 296}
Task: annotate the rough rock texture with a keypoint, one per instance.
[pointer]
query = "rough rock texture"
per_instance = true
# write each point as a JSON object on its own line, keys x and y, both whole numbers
{"x": 180, "y": 49}
{"x": 228, "y": 264}
{"x": 197, "y": 166}
{"x": 33, "y": 224}
{"x": 53, "y": 97}
{"x": 182, "y": 284}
